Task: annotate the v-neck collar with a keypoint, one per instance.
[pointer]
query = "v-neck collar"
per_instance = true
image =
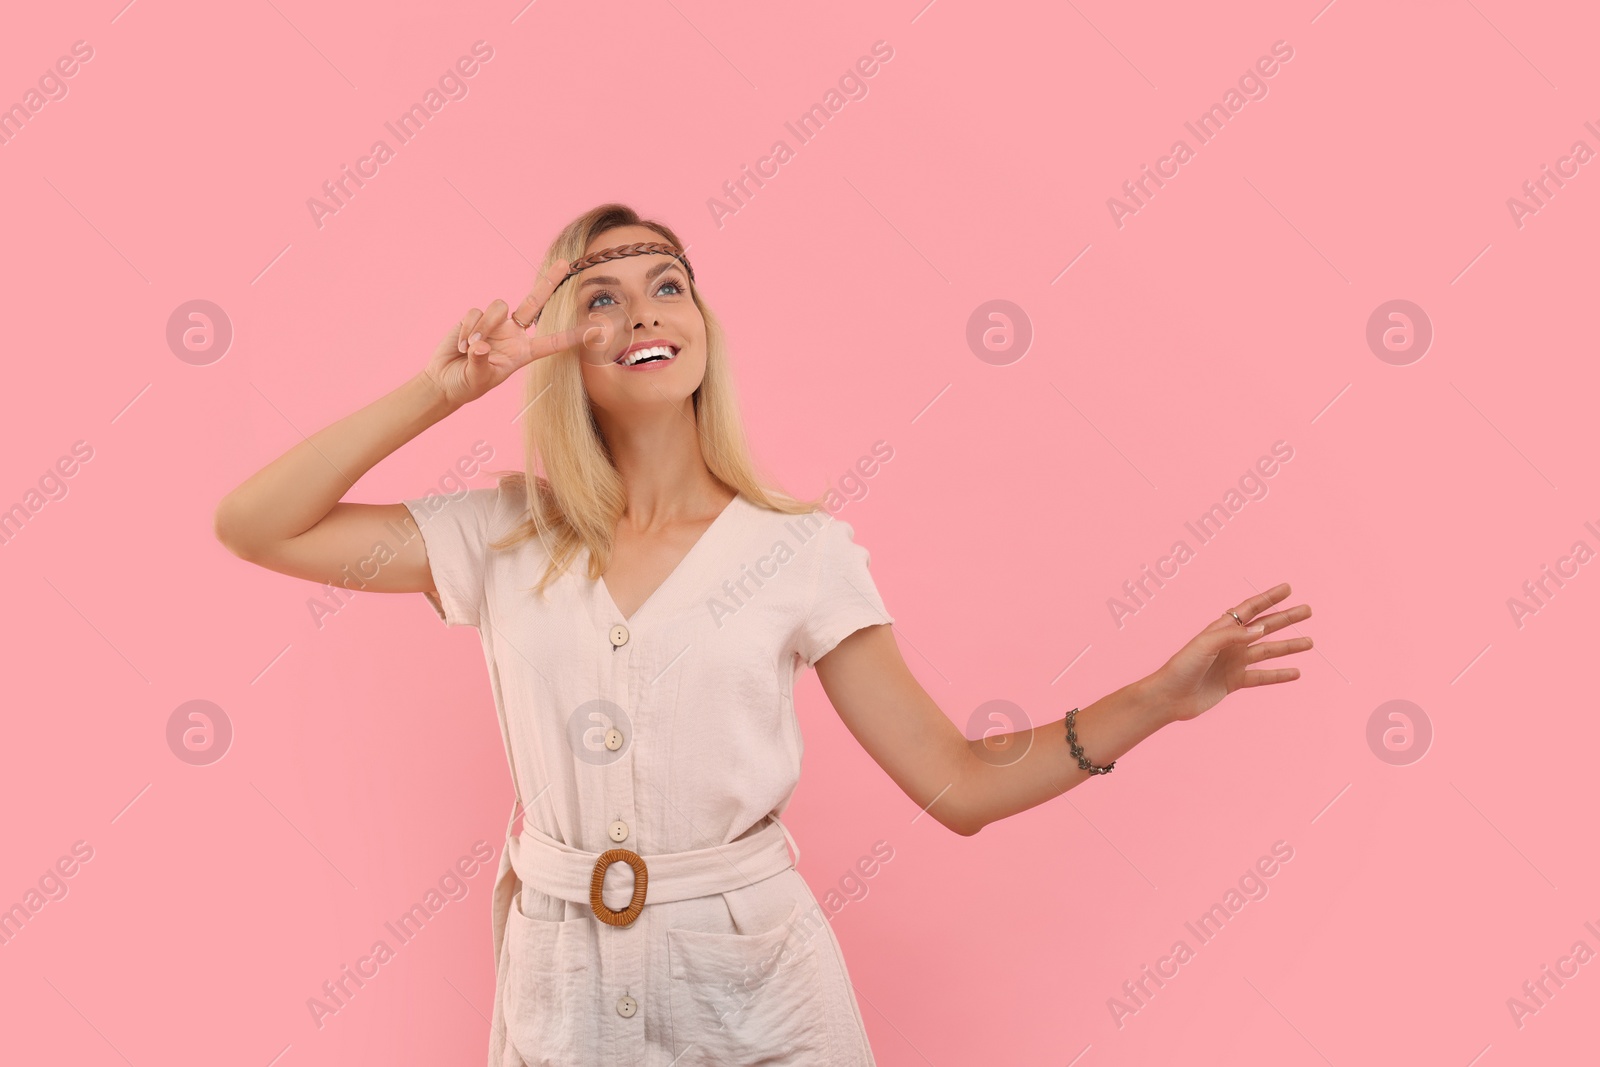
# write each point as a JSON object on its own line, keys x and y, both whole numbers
{"x": 664, "y": 588}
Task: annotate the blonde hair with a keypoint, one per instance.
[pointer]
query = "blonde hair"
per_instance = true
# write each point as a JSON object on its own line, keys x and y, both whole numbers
{"x": 580, "y": 495}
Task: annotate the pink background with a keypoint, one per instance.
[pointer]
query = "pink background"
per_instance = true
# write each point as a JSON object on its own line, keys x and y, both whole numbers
{"x": 1228, "y": 313}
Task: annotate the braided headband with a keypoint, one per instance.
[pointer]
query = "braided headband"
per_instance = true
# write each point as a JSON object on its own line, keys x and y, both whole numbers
{"x": 638, "y": 248}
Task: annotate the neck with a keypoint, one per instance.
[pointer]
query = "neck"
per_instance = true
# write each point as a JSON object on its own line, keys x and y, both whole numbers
{"x": 658, "y": 454}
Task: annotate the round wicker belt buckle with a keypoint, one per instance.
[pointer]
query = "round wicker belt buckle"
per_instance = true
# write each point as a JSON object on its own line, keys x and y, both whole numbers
{"x": 641, "y": 876}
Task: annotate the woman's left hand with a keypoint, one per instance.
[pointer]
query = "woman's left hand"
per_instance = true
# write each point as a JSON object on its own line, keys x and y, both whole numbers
{"x": 1212, "y": 665}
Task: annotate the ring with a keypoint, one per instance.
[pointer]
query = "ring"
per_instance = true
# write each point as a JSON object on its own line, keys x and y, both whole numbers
{"x": 1236, "y": 618}
{"x": 518, "y": 321}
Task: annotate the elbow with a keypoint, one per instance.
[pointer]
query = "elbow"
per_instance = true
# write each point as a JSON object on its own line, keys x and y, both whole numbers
{"x": 962, "y": 822}
{"x": 960, "y": 817}
{"x": 229, "y": 531}
{"x": 954, "y": 819}
{"x": 224, "y": 529}
{"x": 967, "y": 828}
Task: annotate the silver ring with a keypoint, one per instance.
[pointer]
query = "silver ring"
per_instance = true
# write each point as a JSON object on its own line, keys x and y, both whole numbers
{"x": 1236, "y": 618}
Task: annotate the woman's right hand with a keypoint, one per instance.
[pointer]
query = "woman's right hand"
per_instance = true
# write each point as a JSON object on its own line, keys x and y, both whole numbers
{"x": 487, "y": 347}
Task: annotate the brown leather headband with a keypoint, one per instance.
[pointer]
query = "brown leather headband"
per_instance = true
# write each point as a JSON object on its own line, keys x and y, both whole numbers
{"x": 638, "y": 248}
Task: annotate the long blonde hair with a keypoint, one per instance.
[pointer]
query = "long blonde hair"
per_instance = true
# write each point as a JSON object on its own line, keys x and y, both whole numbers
{"x": 580, "y": 496}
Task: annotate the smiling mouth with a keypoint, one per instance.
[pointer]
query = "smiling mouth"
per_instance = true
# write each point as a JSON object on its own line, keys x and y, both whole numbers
{"x": 653, "y": 354}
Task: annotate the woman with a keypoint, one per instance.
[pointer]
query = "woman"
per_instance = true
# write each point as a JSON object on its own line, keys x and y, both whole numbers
{"x": 644, "y": 611}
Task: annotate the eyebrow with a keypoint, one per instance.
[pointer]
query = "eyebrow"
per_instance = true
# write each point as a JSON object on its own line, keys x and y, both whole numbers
{"x": 606, "y": 279}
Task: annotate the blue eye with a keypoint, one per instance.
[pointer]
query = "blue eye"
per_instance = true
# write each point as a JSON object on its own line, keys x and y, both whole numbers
{"x": 676, "y": 286}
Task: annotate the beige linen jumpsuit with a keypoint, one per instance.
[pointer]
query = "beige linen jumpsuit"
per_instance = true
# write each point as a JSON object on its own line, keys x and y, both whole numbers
{"x": 671, "y": 734}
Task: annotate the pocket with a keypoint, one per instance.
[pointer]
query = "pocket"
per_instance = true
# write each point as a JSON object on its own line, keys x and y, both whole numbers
{"x": 544, "y": 988}
{"x": 749, "y": 998}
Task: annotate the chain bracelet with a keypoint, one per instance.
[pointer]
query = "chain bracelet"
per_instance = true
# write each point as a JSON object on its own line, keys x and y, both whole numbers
{"x": 1077, "y": 749}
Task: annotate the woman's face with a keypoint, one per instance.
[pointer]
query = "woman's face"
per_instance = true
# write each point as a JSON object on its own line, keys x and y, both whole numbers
{"x": 654, "y": 292}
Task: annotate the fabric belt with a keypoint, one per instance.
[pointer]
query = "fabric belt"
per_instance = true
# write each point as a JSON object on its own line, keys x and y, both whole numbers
{"x": 567, "y": 873}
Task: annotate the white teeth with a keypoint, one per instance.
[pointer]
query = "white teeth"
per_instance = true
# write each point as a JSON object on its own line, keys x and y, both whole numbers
{"x": 664, "y": 351}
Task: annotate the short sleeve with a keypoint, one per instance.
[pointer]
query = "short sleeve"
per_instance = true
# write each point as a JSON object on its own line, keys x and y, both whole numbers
{"x": 455, "y": 531}
{"x": 844, "y": 597}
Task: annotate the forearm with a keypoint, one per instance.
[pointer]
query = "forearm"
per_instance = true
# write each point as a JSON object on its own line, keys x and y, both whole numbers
{"x": 997, "y": 783}
{"x": 295, "y": 491}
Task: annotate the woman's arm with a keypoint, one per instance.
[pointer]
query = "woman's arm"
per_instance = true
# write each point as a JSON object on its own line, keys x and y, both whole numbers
{"x": 965, "y": 788}
{"x": 288, "y": 516}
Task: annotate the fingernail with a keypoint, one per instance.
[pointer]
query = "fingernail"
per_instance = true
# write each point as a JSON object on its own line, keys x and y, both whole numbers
{"x": 475, "y": 336}
{"x": 1258, "y": 629}
{"x": 461, "y": 346}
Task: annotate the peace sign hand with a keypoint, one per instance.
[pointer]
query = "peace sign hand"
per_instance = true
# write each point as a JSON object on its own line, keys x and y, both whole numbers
{"x": 487, "y": 347}
{"x": 1212, "y": 665}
